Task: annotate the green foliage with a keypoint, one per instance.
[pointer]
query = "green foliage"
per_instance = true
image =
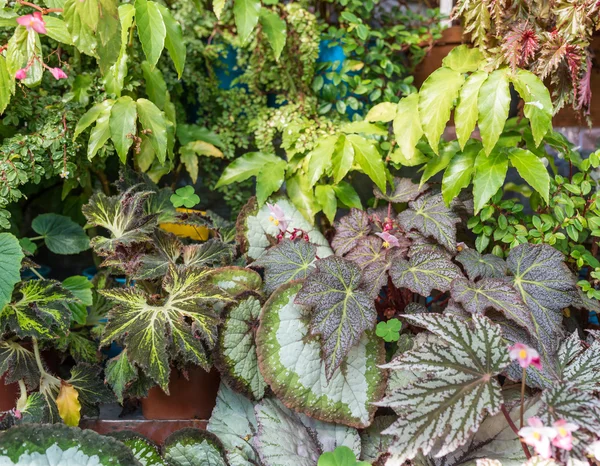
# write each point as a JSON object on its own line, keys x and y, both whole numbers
{"x": 11, "y": 255}
{"x": 390, "y": 330}
{"x": 341, "y": 456}
{"x": 185, "y": 197}
{"x": 61, "y": 234}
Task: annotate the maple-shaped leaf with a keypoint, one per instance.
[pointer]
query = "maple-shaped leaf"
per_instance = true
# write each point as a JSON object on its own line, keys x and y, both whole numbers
{"x": 430, "y": 216}
{"x": 426, "y": 271}
{"x": 404, "y": 190}
{"x": 349, "y": 230}
{"x": 38, "y": 309}
{"x": 479, "y": 265}
{"x": 18, "y": 363}
{"x": 491, "y": 293}
{"x": 546, "y": 286}
{"x": 455, "y": 390}
{"x": 342, "y": 307}
{"x": 211, "y": 253}
{"x": 123, "y": 216}
{"x": 179, "y": 325}
{"x": 286, "y": 261}
{"x": 236, "y": 349}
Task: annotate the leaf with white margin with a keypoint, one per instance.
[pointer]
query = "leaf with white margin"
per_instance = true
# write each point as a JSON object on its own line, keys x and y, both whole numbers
{"x": 290, "y": 361}
{"x": 33, "y": 445}
{"x": 289, "y": 260}
{"x": 546, "y": 286}
{"x": 374, "y": 444}
{"x": 234, "y": 422}
{"x": 442, "y": 409}
{"x": 194, "y": 447}
{"x": 491, "y": 293}
{"x": 236, "y": 356}
{"x": 349, "y": 230}
{"x": 479, "y": 265}
{"x": 430, "y": 216}
{"x": 343, "y": 308}
{"x": 403, "y": 190}
{"x": 427, "y": 270}
{"x": 256, "y": 233}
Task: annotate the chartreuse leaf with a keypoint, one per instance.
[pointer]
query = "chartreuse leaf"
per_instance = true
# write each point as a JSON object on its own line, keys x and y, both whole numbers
{"x": 342, "y": 160}
{"x": 101, "y": 131}
{"x": 245, "y": 13}
{"x": 275, "y": 29}
{"x": 349, "y": 230}
{"x": 302, "y": 196}
{"x": 290, "y": 361}
{"x": 430, "y": 216}
{"x": 327, "y": 199}
{"x": 490, "y": 172}
{"x": 174, "y": 39}
{"x": 91, "y": 116}
{"x": 115, "y": 77}
{"x": 546, "y": 286}
{"x": 342, "y": 308}
{"x": 481, "y": 266}
{"x": 181, "y": 325}
{"x": 390, "y": 330}
{"x": 33, "y": 444}
{"x": 244, "y": 167}
{"x": 236, "y": 355}
{"x": 16, "y": 363}
{"x": 144, "y": 450}
{"x": 463, "y": 59}
{"x": 403, "y": 190}
{"x": 123, "y": 116}
{"x": 532, "y": 170}
{"x": 458, "y": 388}
{"x": 538, "y": 103}
{"x": 341, "y": 456}
{"x": 7, "y": 87}
{"x": 467, "y": 110}
{"x": 155, "y": 124}
{"x": 459, "y": 172}
{"x": 82, "y": 20}
{"x": 11, "y": 255}
{"x": 68, "y": 404}
{"x": 436, "y": 99}
{"x": 407, "y": 125}
{"x": 382, "y": 112}
{"x": 288, "y": 260}
{"x": 493, "y": 104}
{"x": 24, "y": 48}
{"x": 320, "y": 159}
{"x": 270, "y": 179}
{"x": 369, "y": 159}
{"x": 218, "y": 6}
{"x": 194, "y": 447}
{"x": 61, "y": 234}
{"x": 151, "y": 29}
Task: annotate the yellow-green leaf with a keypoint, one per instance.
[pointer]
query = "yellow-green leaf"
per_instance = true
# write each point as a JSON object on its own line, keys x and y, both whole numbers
{"x": 531, "y": 169}
{"x": 246, "y": 16}
{"x": 463, "y": 59}
{"x": 538, "y": 103}
{"x": 68, "y": 404}
{"x": 490, "y": 172}
{"x": 466, "y": 113}
{"x": 383, "y": 112}
{"x": 151, "y": 29}
{"x": 493, "y": 104}
{"x": 369, "y": 159}
{"x": 407, "y": 125}
{"x": 123, "y": 116}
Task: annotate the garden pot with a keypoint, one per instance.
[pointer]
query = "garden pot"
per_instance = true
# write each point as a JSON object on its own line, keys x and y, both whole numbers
{"x": 451, "y": 37}
{"x": 192, "y": 398}
{"x": 8, "y": 395}
{"x": 198, "y": 233}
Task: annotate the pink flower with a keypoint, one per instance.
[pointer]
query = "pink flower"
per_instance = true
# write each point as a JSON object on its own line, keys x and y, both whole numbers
{"x": 34, "y": 21}
{"x": 525, "y": 355}
{"x": 538, "y": 436}
{"x": 278, "y": 217}
{"x": 594, "y": 450}
{"x": 21, "y": 74}
{"x": 389, "y": 241}
{"x": 58, "y": 73}
{"x": 564, "y": 437}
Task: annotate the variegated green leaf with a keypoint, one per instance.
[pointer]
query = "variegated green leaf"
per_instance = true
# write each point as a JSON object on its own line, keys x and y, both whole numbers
{"x": 349, "y": 230}
{"x": 211, "y": 253}
{"x": 18, "y": 363}
{"x": 86, "y": 379}
{"x": 236, "y": 356}
{"x": 444, "y": 406}
{"x": 290, "y": 361}
{"x": 120, "y": 373}
{"x": 426, "y": 270}
{"x": 479, "y": 265}
{"x": 342, "y": 308}
{"x": 403, "y": 190}
{"x": 235, "y": 280}
{"x": 286, "y": 261}
{"x": 430, "y": 216}
{"x": 144, "y": 450}
{"x": 194, "y": 447}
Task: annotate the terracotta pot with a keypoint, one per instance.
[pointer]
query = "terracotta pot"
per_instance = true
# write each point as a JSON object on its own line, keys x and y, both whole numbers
{"x": 192, "y": 398}
{"x": 451, "y": 37}
{"x": 8, "y": 395}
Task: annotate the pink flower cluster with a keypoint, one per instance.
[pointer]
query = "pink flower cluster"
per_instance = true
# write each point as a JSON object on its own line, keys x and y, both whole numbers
{"x": 542, "y": 437}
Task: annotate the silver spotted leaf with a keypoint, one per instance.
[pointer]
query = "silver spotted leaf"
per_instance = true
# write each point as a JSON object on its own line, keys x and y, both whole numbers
{"x": 493, "y": 293}
{"x": 194, "y": 447}
{"x": 430, "y": 216}
{"x": 546, "y": 286}
{"x": 479, "y": 265}
{"x": 290, "y": 361}
{"x": 349, "y": 230}
{"x": 404, "y": 190}
{"x": 426, "y": 271}
{"x": 236, "y": 356}
{"x": 458, "y": 388}
{"x": 286, "y": 261}
{"x": 342, "y": 307}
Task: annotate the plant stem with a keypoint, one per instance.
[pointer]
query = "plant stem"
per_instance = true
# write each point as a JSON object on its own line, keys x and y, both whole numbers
{"x": 36, "y": 273}
{"x": 515, "y": 430}
{"x": 36, "y": 238}
{"x": 522, "y": 395}
{"x": 38, "y": 358}
{"x": 22, "y": 401}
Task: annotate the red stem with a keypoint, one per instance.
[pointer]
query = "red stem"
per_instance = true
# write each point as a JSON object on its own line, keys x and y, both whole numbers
{"x": 515, "y": 430}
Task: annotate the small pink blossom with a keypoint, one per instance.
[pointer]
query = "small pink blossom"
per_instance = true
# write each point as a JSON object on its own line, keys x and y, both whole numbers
{"x": 16, "y": 413}
{"x": 58, "y": 73}
{"x": 564, "y": 436}
{"x": 21, "y": 74}
{"x": 593, "y": 450}
{"x": 34, "y": 21}
{"x": 389, "y": 240}
{"x": 525, "y": 356}
{"x": 538, "y": 436}
{"x": 278, "y": 217}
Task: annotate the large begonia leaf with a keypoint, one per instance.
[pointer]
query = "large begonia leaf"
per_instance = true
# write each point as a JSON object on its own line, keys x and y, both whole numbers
{"x": 286, "y": 261}
{"x": 343, "y": 308}
{"x": 491, "y": 293}
{"x": 194, "y": 447}
{"x": 236, "y": 356}
{"x": 144, "y": 450}
{"x": 39, "y": 309}
{"x": 256, "y": 233}
{"x": 431, "y": 217}
{"x": 290, "y": 361}
{"x": 546, "y": 286}
{"x": 211, "y": 253}
{"x": 403, "y": 190}
{"x": 479, "y": 265}
{"x": 330, "y": 436}
{"x": 566, "y": 402}
{"x": 458, "y": 388}
{"x": 235, "y": 280}
{"x": 182, "y": 323}
{"x": 426, "y": 270}
{"x": 350, "y": 230}
{"x": 123, "y": 216}
{"x": 18, "y": 363}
